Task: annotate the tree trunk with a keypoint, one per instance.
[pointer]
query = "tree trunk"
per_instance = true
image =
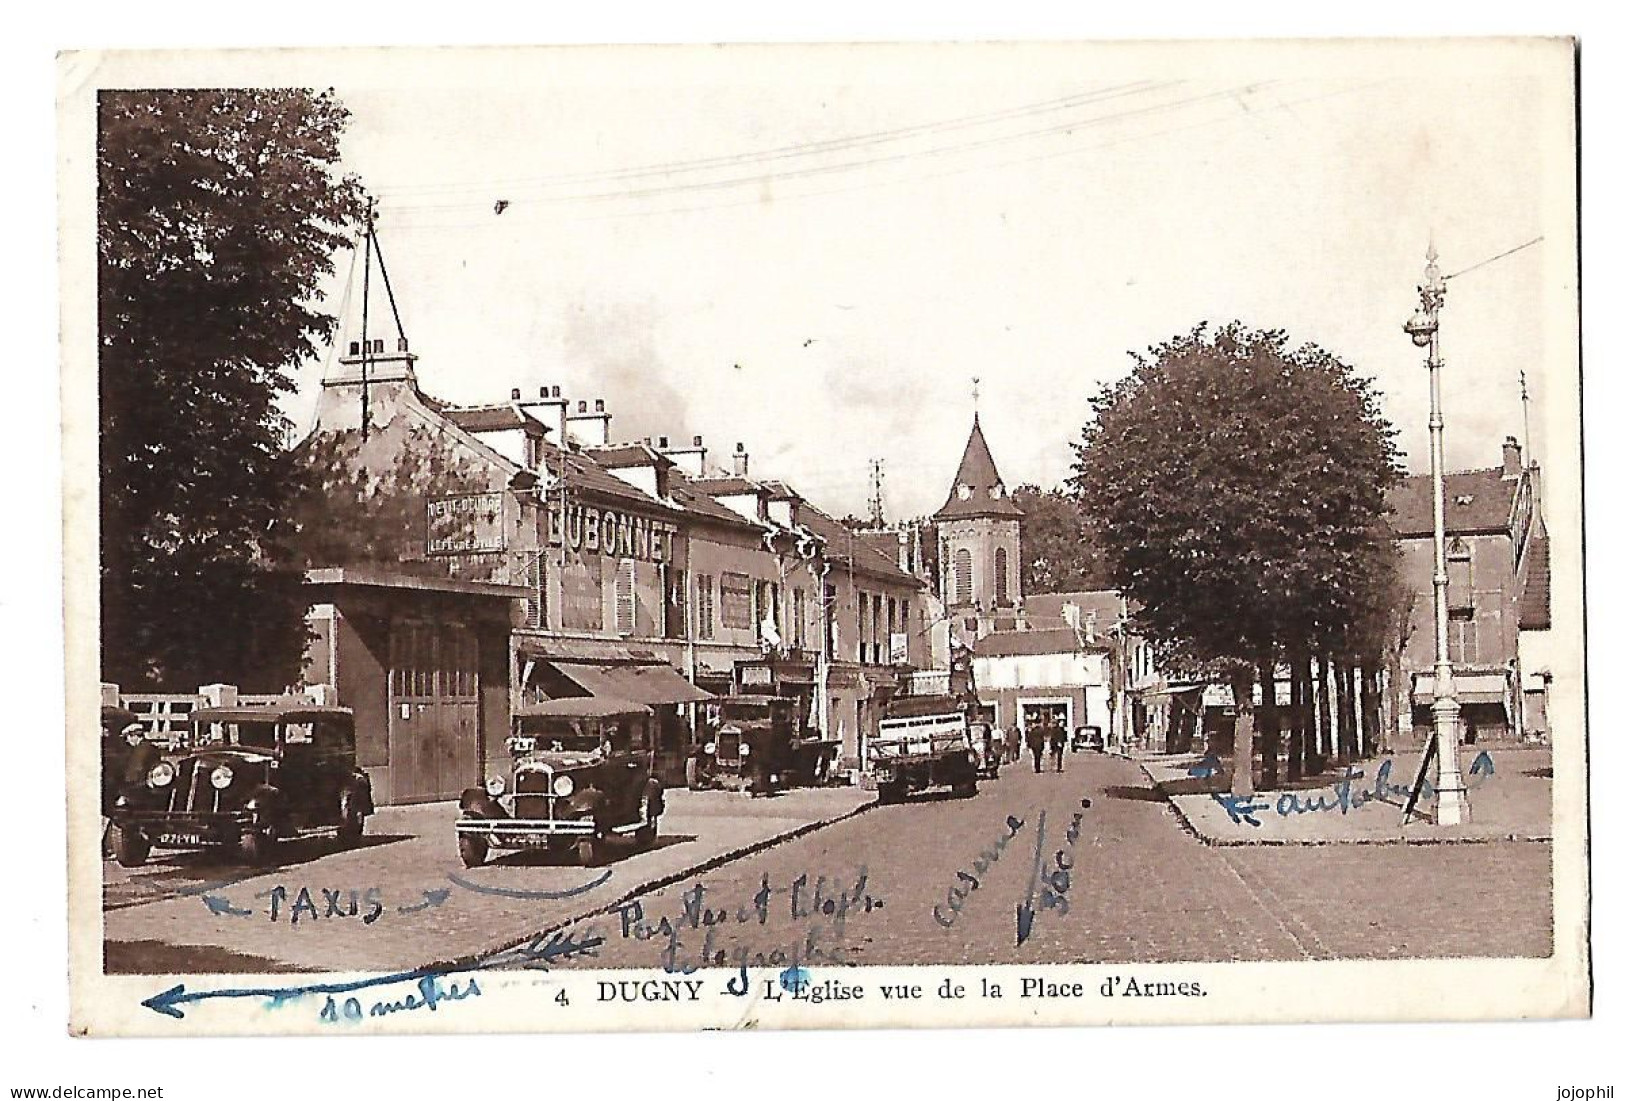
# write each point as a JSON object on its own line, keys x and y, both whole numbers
{"x": 1241, "y": 778}
{"x": 1370, "y": 713}
{"x": 1347, "y": 747}
{"x": 1323, "y": 707}
{"x": 1269, "y": 722}
{"x": 1303, "y": 671}
{"x": 1294, "y": 748}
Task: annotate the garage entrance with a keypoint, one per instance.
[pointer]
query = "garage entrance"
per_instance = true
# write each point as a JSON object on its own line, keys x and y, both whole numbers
{"x": 434, "y": 705}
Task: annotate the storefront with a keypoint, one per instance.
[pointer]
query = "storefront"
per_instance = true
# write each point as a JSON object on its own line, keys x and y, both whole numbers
{"x": 423, "y": 664}
{"x": 557, "y": 669}
{"x": 1485, "y": 699}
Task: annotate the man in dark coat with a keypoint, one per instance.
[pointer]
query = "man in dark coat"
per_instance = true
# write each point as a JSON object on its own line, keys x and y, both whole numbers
{"x": 1057, "y": 744}
{"x": 1035, "y": 742}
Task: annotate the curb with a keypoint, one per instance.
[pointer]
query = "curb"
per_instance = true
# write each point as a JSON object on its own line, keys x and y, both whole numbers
{"x": 503, "y": 945}
{"x": 1308, "y": 843}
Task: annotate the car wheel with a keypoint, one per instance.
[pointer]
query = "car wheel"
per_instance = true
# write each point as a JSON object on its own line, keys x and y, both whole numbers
{"x": 352, "y": 823}
{"x": 890, "y": 793}
{"x": 589, "y": 851}
{"x": 258, "y": 845}
{"x": 472, "y": 848}
{"x": 966, "y": 789}
{"x": 130, "y": 846}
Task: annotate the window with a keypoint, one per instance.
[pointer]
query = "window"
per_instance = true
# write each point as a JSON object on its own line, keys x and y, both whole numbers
{"x": 798, "y": 622}
{"x": 705, "y": 610}
{"x": 891, "y": 629}
{"x": 863, "y": 628}
{"x": 736, "y": 602}
{"x": 1463, "y": 636}
{"x": 962, "y": 577}
{"x": 907, "y": 630}
{"x": 625, "y": 597}
{"x": 827, "y": 611}
{"x": 1001, "y": 577}
{"x": 535, "y": 582}
{"x": 1458, "y": 572}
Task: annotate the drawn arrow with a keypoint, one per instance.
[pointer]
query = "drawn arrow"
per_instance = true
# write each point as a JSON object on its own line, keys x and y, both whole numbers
{"x": 433, "y": 897}
{"x": 1024, "y": 912}
{"x": 561, "y": 945}
{"x": 512, "y": 892}
{"x": 1206, "y": 767}
{"x": 169, "y": 1002}
{"x": 218, "y": 905}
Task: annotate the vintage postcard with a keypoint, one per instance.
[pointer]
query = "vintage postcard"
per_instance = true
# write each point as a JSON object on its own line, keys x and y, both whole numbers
{"x": 672, "y": 538}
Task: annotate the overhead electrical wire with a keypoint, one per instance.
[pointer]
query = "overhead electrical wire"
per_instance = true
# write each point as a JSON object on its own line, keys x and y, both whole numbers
{"x": 799, "y": 149}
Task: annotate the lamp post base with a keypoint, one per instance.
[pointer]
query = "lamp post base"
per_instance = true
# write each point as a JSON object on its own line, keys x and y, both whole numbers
{"x": 1453, "y": 808}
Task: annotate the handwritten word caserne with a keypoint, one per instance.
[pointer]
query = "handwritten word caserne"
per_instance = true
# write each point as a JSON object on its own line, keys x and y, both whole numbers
{"x": 965, "y": 882}
{"x": 815, "y": 908}
{"x": 1343, "y": 797}
{"x": 429, "y": 994}
{"x": 651, "y": 990}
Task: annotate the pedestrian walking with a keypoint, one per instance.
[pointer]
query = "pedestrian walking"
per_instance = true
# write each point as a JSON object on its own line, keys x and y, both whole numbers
{"x": 1057, "y": 745}
{"x": 1035, "y": 742}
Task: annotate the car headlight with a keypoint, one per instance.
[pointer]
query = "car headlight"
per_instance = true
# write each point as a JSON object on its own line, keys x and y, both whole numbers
{"x": 563, "y": 786}
{"x": 161, "y": 775}
{"x": 711, "y": 747}
{"x": 496, "y": 785}
{"x": 221, "y": 778}
{"x": 744, "y": 751}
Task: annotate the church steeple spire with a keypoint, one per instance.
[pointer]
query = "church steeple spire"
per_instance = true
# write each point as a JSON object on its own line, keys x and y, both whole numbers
{"x": 977, "y": 490}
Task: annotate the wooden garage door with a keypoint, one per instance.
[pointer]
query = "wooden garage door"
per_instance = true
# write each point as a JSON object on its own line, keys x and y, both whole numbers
{"x": 433, "y": 710}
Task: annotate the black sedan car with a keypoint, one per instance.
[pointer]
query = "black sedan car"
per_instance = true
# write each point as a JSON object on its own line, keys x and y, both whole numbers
{"x": 251, "y": 778}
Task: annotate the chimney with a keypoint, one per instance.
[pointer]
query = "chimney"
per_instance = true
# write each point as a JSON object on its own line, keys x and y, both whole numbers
{"x": 1069, "y": 612}
{"x": 1089, "y": 628}
{"x": 690, "y": 460}
{"x": 551, "y": 409}
{"x": 1511, "y": 458}
{"x": 741, "y": 461}
{"x": 591, "y": 429}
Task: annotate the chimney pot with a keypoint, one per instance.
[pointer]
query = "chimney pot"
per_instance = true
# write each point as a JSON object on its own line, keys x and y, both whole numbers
{"x": 739, "y": 449}
{"x": 664, "y": 443}
{"x": 1511, "y": 458}
{"x": 555, "y": 391}
{"x": 581, "y": 407}
{"x": 598, "y": 406}
{"x": 514, "y": 393}
{"x": 355, "y": 347}
{"x": 698, "y": 442}
{"x": 400, "y": 345}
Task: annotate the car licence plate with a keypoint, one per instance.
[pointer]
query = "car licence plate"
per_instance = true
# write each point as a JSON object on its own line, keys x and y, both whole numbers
{"x": 180, "y": 839}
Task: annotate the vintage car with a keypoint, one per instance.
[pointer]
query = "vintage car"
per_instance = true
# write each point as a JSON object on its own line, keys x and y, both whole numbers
{"x": 922, "y": 742}
{"x": 578, "y": 773}
{"x": 1087, "y": 737}
{"x": 748, "y": 745}
{"x": 250, "y": 778}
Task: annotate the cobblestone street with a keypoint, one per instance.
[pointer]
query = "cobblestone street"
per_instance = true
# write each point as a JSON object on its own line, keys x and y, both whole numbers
{"x": 1139, "y": 888}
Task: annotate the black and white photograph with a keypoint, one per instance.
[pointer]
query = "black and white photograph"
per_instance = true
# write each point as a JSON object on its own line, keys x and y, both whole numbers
{"x": 660, "y": 538}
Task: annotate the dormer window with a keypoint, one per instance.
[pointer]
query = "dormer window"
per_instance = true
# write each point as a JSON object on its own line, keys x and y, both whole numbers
{"x": 1464, "y": 499}
{"x": 998, "y": 491}
{"x": 964, "y": 492}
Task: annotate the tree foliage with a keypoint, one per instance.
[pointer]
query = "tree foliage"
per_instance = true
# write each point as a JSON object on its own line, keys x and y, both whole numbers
{"x": 1238, "y": 484}
{"x": 219, "y": 212}
{"x": 1059, "y": 548}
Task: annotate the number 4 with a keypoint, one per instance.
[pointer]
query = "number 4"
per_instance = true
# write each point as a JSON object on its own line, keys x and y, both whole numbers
{"x": 562, "y": 998}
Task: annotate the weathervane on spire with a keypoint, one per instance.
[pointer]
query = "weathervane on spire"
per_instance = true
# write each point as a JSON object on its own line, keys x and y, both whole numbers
{"x": 975, "y": 394}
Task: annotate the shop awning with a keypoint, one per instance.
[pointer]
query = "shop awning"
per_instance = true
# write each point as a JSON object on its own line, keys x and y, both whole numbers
{"x": 646, "y": 684}
{"x": 1470, "y": 688}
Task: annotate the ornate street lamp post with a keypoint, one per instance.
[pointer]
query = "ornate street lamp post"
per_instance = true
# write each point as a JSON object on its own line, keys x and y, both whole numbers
{"x": 1423, "y": 330}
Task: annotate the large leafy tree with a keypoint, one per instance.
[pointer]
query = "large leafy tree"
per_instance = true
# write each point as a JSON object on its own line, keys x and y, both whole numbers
{"x": 1059, "y": 550}
{"x": 219, "y": 213}
{"x": 1237, "y": 484}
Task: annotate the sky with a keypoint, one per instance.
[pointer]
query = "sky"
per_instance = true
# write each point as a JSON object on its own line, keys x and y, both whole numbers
{"x": 824, "y": 253}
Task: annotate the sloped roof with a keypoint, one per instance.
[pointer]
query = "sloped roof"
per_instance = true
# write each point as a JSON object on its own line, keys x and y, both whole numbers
{"x": 1535, "y": 609}
{"x": 1105, "y": 603}
{"x": 979, "y": 476}
{"x": 629, "y": 454}
{"x": 699, "y": 503}
{"x": 1058, "y": 640}
{"x": 582, "y": 474}
{"x": 841, "y": 544}
{"x": 725, "y": 487}
{"x": 492, "y": 418}
{"x": 1474, "y": 501}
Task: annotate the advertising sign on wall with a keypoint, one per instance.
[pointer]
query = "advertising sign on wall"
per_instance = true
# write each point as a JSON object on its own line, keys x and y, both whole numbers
{"x": 469, "y": 523}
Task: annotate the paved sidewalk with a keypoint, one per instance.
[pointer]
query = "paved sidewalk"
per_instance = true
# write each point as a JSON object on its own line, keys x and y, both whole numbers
{"x": 160, "y": 917}
{"x": 1509, "y": 794}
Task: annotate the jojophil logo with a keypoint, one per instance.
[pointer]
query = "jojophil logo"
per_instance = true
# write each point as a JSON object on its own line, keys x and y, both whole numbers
{"x": 1588, "y": 1093}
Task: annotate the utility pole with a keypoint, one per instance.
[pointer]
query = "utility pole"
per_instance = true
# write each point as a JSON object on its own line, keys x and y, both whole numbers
{"x": 877, "y": 498}
{"x": 366, "y": 297}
